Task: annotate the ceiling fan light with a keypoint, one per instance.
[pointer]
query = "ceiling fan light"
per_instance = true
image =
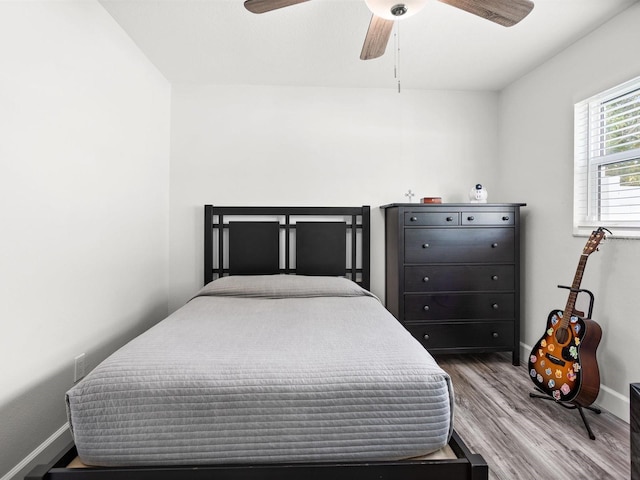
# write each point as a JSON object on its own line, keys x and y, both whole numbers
{"x": 402, "y": 8}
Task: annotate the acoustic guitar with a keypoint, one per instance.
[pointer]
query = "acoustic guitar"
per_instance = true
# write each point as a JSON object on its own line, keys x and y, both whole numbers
{"x": 563, "y": 363}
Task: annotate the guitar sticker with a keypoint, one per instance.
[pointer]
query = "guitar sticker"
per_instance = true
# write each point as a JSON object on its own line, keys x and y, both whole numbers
{"x": 573, "y": 351}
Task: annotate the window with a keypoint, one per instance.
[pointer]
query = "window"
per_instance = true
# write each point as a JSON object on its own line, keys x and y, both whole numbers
{"x": 607, "y": 161}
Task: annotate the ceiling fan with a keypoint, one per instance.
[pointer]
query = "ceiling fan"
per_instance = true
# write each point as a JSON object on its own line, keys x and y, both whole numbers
{"x": 385, "y": 12}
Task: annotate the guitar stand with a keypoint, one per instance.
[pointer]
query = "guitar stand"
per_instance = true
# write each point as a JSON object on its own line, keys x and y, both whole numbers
{"x": 571, "y": 405}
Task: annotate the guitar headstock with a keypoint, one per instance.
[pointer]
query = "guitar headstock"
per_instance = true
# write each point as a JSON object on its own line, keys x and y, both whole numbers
{"x": 594, "y": 240}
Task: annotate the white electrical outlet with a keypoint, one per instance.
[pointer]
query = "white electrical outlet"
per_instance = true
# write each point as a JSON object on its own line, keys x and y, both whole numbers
{"x": 78, "y": 371}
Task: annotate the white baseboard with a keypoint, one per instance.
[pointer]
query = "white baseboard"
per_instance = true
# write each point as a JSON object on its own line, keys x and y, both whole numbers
{"x": 614, "y": 402}
{"x": 42, "y": 454}
{"x": 608, "y": 399}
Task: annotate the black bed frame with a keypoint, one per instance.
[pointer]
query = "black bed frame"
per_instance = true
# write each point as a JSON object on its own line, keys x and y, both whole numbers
{"x": 320, "y": 236}
{"x": 311, "y": 258}
{"x": 467, "y": 466}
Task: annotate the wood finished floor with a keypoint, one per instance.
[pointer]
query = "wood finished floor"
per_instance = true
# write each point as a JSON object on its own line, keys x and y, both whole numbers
{"x": 523, "y": 438}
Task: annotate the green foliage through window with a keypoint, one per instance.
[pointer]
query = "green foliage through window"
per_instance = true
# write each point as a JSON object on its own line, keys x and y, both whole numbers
{"x": 628, "y": 171}
{"x": 621, "y": 120}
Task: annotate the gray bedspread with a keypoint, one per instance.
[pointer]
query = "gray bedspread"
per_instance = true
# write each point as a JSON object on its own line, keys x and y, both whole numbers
{"x": 265, "y": 369}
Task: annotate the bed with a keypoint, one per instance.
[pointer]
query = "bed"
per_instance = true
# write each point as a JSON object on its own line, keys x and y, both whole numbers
{"x": 282, "y": 365}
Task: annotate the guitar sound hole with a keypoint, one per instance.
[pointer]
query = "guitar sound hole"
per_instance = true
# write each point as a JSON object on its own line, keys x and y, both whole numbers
{"x": 562, "y": 335}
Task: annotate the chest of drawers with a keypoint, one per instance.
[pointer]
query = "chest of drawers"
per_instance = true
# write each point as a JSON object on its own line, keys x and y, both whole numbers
{"x": 452, "y": 275}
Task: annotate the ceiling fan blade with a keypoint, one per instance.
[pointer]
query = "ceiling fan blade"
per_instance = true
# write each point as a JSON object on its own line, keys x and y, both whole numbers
{"x": 377, "y": 38}
{"x": 262, "y": 6}
{"x": 502, "y": 12}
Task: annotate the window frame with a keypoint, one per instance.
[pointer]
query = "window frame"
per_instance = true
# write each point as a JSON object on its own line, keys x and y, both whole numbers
{"x": 590, "y": 138}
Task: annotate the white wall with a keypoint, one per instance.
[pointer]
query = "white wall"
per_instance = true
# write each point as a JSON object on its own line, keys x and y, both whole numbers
{"x": 84, "y": 184}
{"x": 319, "y": 146}
{"x": 536, "y": 166}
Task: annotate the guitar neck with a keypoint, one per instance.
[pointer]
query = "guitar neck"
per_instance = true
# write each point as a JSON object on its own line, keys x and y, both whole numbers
{"x": 573, "y": 296}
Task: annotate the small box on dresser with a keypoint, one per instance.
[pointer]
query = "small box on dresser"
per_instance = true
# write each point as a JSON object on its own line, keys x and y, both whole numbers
{"x": 453, "y": 275}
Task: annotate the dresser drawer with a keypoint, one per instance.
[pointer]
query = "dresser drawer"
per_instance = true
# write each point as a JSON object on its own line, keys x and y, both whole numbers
{"x": 458, "y": 278}
{"x": 459, "y": 306}
{"x": 436, "y": 219}
{"x": 459, "y": 245}
{"x": 463, "y": 334}
{"x": 488, "y": 218}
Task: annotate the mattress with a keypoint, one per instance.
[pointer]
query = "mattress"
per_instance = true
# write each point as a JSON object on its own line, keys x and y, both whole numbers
{"x": 265, "y": 369}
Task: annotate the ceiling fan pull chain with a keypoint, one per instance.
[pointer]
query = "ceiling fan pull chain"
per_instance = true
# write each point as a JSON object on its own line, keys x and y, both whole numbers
{"x": 395, "y": 51}
{"x": 396, "y": 68}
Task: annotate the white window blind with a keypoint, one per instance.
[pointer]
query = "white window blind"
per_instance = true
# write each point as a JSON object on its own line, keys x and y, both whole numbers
{"x": 607, "y": 161}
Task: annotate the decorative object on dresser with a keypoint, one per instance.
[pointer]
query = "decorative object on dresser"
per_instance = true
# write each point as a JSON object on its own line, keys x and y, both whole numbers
{"x": 635, "y": 430}
{"x": 563, "y": 364}
{"x": 478, "y": 194}
{"x": 410, "y": 195}
{"x": 453, "y": 275}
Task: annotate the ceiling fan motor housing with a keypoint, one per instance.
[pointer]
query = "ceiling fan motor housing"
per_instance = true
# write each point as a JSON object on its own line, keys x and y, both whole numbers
{"x": 393, "y": 10}
{"x": 398, "y": 9}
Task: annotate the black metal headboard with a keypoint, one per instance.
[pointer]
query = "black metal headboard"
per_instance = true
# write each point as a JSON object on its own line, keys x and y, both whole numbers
{"x": 304, "y": 240}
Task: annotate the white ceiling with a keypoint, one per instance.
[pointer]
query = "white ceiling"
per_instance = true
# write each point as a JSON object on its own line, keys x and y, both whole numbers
{"x": 318, "y": 43}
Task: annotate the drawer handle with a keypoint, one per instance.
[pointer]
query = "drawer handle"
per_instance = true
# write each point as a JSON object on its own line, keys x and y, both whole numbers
{"x": 425, "y": 245}
{"x": 471, "y": 218}
{"x": 494, "y": 245}
{"x": 495, "y": 335}
{"x": 426, "y": 336}
{"x": 494, "y": 277}
{"x": 505, "y": 218}
{"x": 449, "y": 219}
{"x": 425, "y": 279}
{"x": 414, "y": 219}
{"x": 495, "y": 306}
{"x": 426, "y": 308}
